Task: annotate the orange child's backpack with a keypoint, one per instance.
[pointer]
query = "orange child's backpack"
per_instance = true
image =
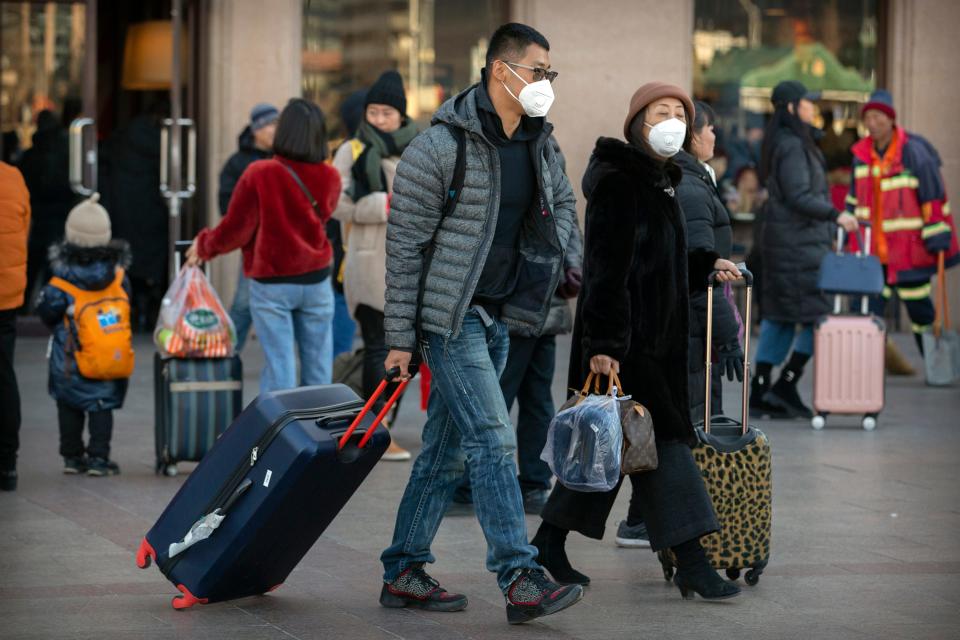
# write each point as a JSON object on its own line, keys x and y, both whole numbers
{"x": 99, "y": 330}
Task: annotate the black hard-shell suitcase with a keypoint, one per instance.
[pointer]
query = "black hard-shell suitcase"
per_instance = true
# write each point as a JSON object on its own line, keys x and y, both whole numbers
{"x": 266, "y": 491}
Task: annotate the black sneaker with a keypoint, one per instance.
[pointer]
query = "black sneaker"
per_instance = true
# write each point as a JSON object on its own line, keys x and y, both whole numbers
{"x": 73, "y": 466}
{"x": 635, "y": 537}
{"x": 8, "y": 480}
{"x": 532, "y": 595}
{"x": 534, "y": 500}
{"x": 416, "y": 589}
{"x": 102, "y": 467}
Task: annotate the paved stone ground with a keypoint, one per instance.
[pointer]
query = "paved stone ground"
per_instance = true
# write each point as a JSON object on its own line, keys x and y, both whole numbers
{"x": 864, "y": 543}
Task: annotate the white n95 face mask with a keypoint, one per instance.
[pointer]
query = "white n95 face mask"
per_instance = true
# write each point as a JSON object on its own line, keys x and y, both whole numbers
{"x": 536, "y": 98}
{"x": 666, "y": 138}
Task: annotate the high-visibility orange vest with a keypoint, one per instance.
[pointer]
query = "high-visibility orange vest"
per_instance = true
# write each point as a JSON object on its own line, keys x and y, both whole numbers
{"x": 98, "y": 331}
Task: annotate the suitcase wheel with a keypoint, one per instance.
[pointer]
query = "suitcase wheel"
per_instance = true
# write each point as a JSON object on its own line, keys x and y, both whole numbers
{"x": 170, "y": 470}
{"x": 869, "y": 423}
{"x": 144, "y": 554}
{"x": 733, "y": 574}
{"x": 186, "y": 600}
{"x": 752, "y": 577}
{"x": 819, "y": 422}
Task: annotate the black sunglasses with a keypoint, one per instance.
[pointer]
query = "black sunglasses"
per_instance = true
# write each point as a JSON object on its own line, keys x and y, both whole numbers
{"x": 539, "y": 73}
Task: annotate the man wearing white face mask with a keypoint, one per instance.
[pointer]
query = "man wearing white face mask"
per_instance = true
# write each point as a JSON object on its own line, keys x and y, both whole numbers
{"x": 467, "y": 264}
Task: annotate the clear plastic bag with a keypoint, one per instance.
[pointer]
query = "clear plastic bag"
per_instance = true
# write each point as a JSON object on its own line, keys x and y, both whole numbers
{"x": 584, "y": 444}
{"x": 193, "y": 322}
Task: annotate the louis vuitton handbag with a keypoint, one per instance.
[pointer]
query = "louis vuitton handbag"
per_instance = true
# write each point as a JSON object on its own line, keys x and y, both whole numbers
{"x": 639, "y": 444}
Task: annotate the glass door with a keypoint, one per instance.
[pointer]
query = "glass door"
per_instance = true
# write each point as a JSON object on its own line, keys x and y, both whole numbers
{"x": 42, "y": 53}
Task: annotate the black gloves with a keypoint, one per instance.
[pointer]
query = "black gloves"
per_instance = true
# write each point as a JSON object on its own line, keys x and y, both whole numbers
{"x": 731, "y": 361}
{"x": 569, "y": 286}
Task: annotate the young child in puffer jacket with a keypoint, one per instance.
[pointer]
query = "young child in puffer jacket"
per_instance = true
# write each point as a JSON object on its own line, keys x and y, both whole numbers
{"x": 87, "y": 307}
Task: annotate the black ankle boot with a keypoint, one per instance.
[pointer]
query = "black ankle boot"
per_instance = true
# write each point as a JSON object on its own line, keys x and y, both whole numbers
{"x": 695, "y": 575}
{"x": 8, "y": 480}
{"x": 759, "y": 387}
{"x": 552, "y": 556}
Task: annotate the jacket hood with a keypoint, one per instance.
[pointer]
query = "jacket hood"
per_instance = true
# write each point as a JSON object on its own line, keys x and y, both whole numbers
{"x": 611, "y": 155}
{"x": 462, "y": 111}
{"x": 919, "y": 146}
{"x": 89, "y": 268}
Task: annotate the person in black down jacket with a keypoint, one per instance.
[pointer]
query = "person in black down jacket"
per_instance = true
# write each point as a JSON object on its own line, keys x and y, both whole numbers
{"x": 799, "y": 223}
{"x": 708, "y": 228}
{"x": 255, "y": 143}
{"x": 44, "y": 168}
{"x": 632, "y": 318}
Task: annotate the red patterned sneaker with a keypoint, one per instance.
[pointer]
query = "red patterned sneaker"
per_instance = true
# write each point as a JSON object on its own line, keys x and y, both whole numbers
{"x": 531, "y": 596}
{"x": 415, "y": 588}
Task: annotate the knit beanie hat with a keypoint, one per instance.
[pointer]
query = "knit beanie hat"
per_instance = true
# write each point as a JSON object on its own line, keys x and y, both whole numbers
{"x": 88, "y": 224}
{"x": 262, "y": 115}
{"x": 388, "y": 90}
{"x": 881, "y": 100}
{"x": 654, "y": 91}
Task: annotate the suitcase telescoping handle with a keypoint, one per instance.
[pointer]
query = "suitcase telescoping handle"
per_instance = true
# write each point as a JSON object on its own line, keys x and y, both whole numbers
{"x": 711, "y": 280}
{"x": 393, "y": 373}
{"x": 863, "y": 239}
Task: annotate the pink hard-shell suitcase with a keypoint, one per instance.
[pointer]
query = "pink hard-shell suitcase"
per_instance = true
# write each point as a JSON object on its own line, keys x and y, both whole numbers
{"x": 848, "y": 374}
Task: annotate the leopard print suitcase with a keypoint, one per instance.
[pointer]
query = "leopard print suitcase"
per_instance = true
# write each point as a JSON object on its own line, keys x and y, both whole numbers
{"x": 734, "y": 460}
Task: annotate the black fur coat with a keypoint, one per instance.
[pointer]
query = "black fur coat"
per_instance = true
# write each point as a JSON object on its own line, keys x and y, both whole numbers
{"x": 637, "y": 277}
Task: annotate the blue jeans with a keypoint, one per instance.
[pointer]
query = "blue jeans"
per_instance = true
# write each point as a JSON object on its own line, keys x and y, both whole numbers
{"x": 291, "y": 320}
{"x": 467, "y": 420}
{"x": 528, "y": 379}
{"x": 776, "y": 338}
{"x": 344, "y": 328}
{"x": 240, "y": 311}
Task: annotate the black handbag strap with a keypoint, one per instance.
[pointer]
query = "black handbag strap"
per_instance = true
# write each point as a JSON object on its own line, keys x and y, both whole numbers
{"x": 303, "y": 187}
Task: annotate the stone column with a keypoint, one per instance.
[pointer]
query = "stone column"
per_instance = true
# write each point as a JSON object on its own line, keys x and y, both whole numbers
{"x": 254, "y": 53}
{"x": 922, "y": 50}
{"x": 604, "y": 51}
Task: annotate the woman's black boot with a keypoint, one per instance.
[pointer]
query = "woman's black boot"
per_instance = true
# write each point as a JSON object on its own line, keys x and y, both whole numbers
{"x": 550, "y": 541}
{"x": 695, "y": 575}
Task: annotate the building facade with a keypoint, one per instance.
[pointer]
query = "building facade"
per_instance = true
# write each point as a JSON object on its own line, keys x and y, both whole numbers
{"x": 728, "y": 52}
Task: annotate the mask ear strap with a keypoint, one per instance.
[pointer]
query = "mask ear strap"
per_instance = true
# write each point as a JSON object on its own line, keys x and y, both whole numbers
{"x": 508, "y": 90}
{"x": 510, "y": 69}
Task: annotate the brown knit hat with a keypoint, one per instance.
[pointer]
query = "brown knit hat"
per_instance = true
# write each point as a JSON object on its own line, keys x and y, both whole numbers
{"x": 654, "y": 91}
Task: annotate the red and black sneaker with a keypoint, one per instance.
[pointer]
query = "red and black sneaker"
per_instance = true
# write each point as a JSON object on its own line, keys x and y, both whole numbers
{"x": 532, "y": 595}
{"x": 415, "y": 588}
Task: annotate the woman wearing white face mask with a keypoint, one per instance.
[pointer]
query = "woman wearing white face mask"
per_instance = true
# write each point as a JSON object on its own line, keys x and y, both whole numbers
{"x": 632, "y": 319}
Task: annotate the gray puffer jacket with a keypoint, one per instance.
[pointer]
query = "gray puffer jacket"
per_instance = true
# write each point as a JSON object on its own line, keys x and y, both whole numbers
{"x": 463, "y": 239}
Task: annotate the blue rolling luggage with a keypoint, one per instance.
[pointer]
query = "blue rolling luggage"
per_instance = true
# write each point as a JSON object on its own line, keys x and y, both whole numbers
{"x": 265, "y": 492}
{"x": 195, "y": 400}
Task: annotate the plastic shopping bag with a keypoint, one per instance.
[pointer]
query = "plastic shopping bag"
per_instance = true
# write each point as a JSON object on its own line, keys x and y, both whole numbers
{"x": 584, "y": 444}
{"x": 193, "y": 322}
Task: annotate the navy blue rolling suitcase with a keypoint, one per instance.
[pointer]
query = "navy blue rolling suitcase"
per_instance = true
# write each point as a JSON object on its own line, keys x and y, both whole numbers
{"x": 265, "y": 492}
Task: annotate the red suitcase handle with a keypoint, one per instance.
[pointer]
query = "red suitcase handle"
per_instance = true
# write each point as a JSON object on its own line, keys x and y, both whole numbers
{"x": 393, "y": 373}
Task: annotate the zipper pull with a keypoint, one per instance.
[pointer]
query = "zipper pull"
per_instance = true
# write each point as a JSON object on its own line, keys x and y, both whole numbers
{"x": 253, "y": 455}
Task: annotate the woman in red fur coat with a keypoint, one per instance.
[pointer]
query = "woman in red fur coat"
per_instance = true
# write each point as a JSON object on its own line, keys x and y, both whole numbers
{"x": 277, "y": 216}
